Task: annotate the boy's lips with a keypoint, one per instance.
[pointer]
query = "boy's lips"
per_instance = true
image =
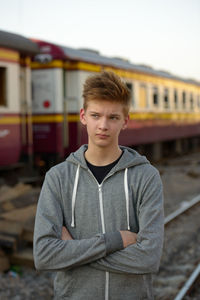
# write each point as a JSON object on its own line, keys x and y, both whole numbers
{"x": 102, "y": 136}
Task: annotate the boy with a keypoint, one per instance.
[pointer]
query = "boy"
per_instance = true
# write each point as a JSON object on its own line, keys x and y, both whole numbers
{"x": 99, "y": 221}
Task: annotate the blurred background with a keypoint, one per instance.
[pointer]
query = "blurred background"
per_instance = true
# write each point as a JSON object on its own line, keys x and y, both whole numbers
{"x": 47, "y": 50}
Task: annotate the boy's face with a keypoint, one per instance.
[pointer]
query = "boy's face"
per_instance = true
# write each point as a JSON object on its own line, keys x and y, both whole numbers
{"x": 104, "y": 121}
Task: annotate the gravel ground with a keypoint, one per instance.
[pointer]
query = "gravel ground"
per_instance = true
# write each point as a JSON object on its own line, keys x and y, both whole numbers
{"x": 180, "y": 254}
{"x": 181, "y": 178}
{"x": 181, "y": 183}
{"x": 29, "y": 284}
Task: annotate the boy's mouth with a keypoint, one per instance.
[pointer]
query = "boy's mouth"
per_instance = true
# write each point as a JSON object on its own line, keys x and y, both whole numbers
{"x": 102, "y": 136}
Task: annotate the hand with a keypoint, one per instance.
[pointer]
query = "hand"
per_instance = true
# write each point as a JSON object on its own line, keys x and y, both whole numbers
{"x": 128, "y": 237}
{"x": 66, "y": 236}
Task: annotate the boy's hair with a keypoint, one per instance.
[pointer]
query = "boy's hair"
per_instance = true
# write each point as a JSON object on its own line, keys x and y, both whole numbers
{"x": 106, "y": 86}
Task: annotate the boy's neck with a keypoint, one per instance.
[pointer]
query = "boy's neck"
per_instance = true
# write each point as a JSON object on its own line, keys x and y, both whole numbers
{"x": 102, "y": 157}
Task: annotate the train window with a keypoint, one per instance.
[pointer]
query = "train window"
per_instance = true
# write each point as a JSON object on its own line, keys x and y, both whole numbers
{"x": 184, "y": 100}
{"x": 166, "y": 98}
{"x": 155, "y": 96}
{"x": 142, "y": 96}
{"x": 130, "y": 87}
{"x": 3, "y": 86}
{"x": 175, "y": 99}
{"x": 191, "y": 102}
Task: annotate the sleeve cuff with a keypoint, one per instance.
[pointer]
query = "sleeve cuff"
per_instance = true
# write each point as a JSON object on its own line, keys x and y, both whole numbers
{"x": 113, "y": 242}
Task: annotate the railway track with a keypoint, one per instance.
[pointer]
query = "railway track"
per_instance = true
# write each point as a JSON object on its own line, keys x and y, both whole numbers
{"x": 190, "y": 289}
{"x": 181, "y": 253}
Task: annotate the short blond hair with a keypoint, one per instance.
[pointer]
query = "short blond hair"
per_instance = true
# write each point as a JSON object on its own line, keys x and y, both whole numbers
{"x": 106, "y": 86}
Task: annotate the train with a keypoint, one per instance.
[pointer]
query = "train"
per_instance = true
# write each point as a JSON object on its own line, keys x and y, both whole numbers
{"x": 41, "y": 96}
{"x": 16, "y": 137}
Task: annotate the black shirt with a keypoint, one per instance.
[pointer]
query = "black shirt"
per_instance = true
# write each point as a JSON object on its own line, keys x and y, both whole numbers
{"x": 100, "y": 172}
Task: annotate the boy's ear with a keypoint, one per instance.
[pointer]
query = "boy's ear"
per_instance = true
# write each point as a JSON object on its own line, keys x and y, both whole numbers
{"x": 82, "y": 116}
{"x": 126, "y": 119}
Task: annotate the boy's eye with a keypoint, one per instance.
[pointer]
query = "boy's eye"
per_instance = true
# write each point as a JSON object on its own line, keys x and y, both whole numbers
{"x": 95, "y": 116}
{"x": 114, "y": 117}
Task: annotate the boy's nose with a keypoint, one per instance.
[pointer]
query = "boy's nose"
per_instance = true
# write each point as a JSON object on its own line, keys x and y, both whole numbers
{"x": 103, "y": 125}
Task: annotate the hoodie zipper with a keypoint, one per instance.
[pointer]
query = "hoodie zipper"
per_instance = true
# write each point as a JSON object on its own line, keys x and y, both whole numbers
{"x": 103, "y": 224}
{"x": 103, "y": 230}
{"x": 101, "y": 209}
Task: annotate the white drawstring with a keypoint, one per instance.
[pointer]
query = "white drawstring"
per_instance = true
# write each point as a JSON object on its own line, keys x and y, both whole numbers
{"x": 126, "y": 195}
{"x": 74, "y": 195}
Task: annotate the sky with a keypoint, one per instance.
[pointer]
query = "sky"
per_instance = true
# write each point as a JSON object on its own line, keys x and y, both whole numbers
{"x": 164, "y": 34}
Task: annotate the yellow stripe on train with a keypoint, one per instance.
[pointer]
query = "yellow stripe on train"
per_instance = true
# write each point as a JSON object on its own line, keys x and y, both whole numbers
{"x": 7, "y": 120}
{"x": 165, "y": 116}
{"x": 138, "y": 116}
{"x": 133, "y": 116}
{"x": 8, "y": 54}
{"x": 54, "y": 118}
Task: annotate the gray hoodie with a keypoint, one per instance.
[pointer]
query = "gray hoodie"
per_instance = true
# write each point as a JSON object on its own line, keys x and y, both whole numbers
{"x": 94, "y": 264}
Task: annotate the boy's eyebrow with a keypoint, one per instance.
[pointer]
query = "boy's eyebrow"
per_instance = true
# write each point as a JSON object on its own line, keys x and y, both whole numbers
{"x": 111, "y": 115}
{"x": 93, "y": 112}
{"x": 115, "y": 114}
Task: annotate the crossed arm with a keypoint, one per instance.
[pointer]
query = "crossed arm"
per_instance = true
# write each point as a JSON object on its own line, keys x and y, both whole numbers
{"x": 128, "y": 237}
{"x": 105, "y": 264}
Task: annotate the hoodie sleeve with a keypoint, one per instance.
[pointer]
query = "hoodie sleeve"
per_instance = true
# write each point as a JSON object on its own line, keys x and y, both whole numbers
{"x": 144, "y": 256}
{"x": 52, "y": 253}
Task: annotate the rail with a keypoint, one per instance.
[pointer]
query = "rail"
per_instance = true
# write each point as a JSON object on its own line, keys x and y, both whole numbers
{"x": 182, "y": 209}
{"x": 188, "y": 284}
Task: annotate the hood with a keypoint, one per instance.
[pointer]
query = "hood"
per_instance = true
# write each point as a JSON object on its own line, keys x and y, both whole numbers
{"x": 130, "y": 158}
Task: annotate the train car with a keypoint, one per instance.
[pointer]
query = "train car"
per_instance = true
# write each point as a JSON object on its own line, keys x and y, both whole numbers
{"x": 165, "y": 108}
{"x": 15, "y": 97}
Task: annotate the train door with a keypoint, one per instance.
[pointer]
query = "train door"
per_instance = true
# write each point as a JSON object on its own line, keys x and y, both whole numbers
{"x": 142, "y": 96}
{"x": 74, "y": 80}
{"x": 48, "y": 116}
